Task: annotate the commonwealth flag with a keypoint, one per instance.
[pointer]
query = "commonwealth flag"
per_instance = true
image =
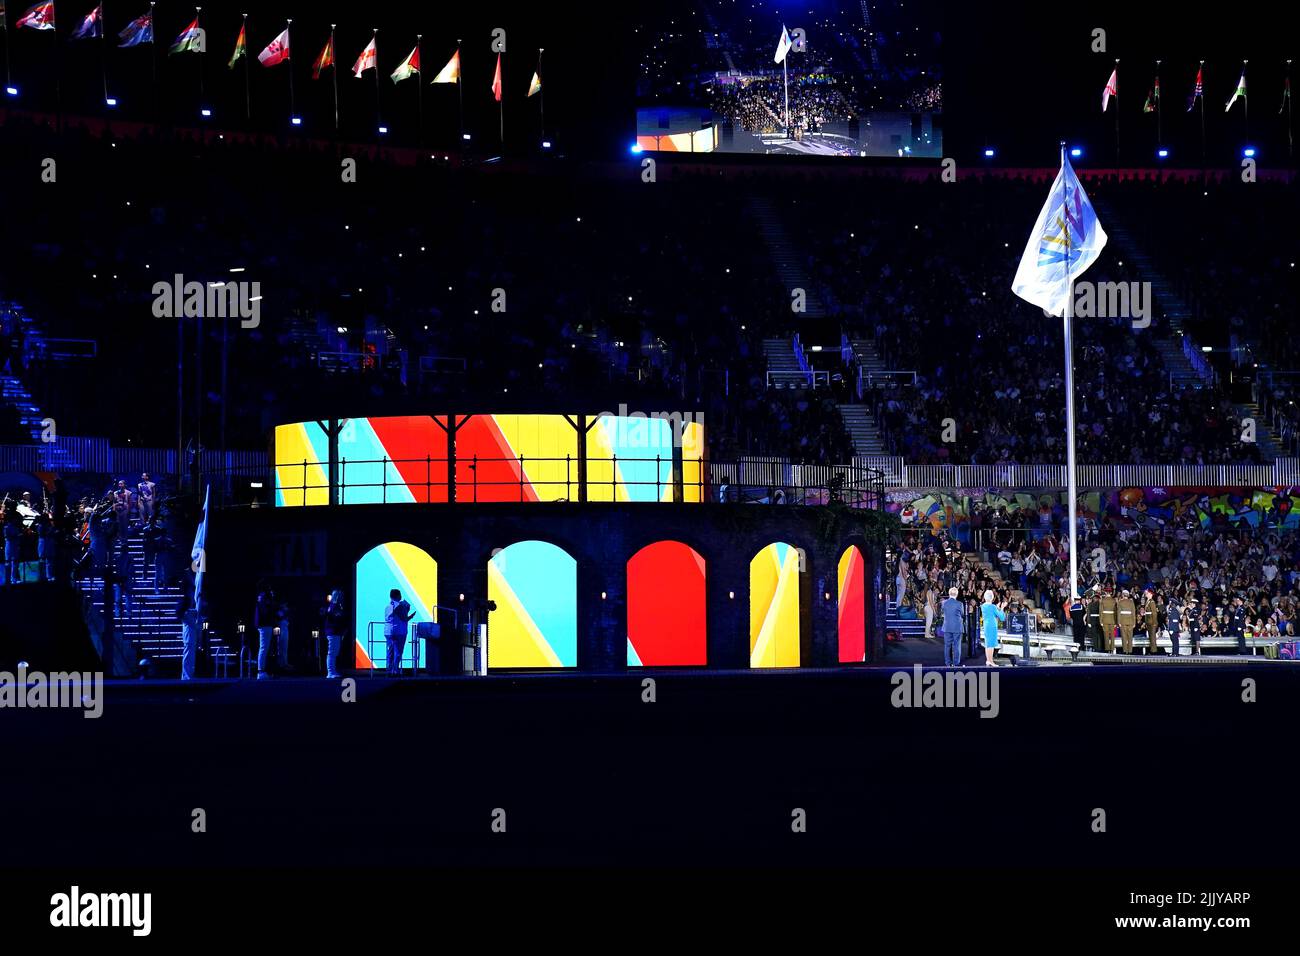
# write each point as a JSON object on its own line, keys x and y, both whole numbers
{"x": 1066, "y": 240}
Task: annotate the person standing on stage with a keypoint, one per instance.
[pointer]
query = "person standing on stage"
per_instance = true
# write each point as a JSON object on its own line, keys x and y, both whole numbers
{"x": 396, "y": 619}
{"x": 1237, "y": 623}
{"x": 122, "y": 511}
{"x": 264, "y": 617}
{"x": 1109, "y": 616}
{"x": 191, "y": 630}
{"x": 990, "y": 615}
{"x": 1078, "y": 612}
{"x": 335, "y": 625}
{"x": 1193, "y": 615}
{"x": 1174, "y": 622}
{"x": 1127, "y": 611}
{"x": 954, "y": 620}
{"x": 144, "y": 495}
{"x": 1095, "y": 639}
{"x": 1151, "y": 616}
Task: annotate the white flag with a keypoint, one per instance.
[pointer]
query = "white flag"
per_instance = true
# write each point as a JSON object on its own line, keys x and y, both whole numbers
{"x": 1066, "y": 240}
{"x": 1240, "y": 91}
{"x": 783, "y": 47}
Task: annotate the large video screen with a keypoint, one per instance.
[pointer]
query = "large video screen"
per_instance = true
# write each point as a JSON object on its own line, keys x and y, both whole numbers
{"x": 811, "y": 78}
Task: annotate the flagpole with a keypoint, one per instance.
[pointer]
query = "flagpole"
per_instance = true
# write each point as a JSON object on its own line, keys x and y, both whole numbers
{"x": 419, "y": 96}
{"x": 1200, "y": 73}
{"x": 1116, "y": 111}
{"x": 1071, "y": 489}
{"x": 1290, "y": 142}
{"x": 248, "y": 90}
{"x": 785, "y": 79}
{"x": 202, "y": 53}
{"x": 501, "y": 99}
{"x": 334, "y": 74}
{"x": 541, "y": 92}
{"x": 460, "y": 91}
{"x": 103, "y": 52}
{"x": 288, "y": 42}
{"x": 1245, "y": 102}
{"x": 1159, "y": 135}
{"x": 379, "y": 116}
{"x": 9, "y": 79}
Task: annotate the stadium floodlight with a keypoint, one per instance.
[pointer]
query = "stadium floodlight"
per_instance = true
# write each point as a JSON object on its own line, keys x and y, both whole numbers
{"x": 1076, "y": 152}
{"x": 1207, "y": 348}
{"x": 636, "y": 149}
{"x": 465, "y": 136}
{"x": 110, "y": 101}
{"x": 295, "y": 120}
{"x": 1249, "y": 152}
{"x": 383, "y": 130}
{"x": 989, "y": 152}
{"x": 11, "y": 90}
{"x": 205, "y": 112}
{"x": 1162, "y": 153}
{"x": 546, "y": 144}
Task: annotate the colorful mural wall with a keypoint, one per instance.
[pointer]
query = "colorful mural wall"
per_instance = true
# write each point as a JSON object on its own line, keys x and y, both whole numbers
{"x": 416, "y": 446}
{"x": 852, "y": 606}
{"x": 516, "y": 458}
{"x": 774, "y": 607}
{"x": 413, "y": 572}
{"x": 666, "y": 607}
{"x": 301, "y": 465}
{"x": 535, "y": 587}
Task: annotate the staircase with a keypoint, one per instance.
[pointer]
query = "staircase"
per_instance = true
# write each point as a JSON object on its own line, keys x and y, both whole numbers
{"x": 1168, "y": 341}
{"x": 906, "y": 627}
{"x": 153, "y": 625}
{"x": 788, "y": 263}
{"x": 861, "y": 426}
{"x": 12, "y": 392}
{"x": 782, "y": 364}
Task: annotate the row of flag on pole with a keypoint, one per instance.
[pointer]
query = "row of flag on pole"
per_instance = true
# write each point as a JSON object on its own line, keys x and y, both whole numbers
{"x": 1152, "y": 103}
{"x": 140, "y": 31}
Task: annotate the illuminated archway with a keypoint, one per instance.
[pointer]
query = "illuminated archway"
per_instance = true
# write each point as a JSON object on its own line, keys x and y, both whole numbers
{"x": 852, "y": 606}
{"x": 535, "y": 587}
{"x": 666, "y": 606}
{"x": 774, "y": 606}
{"x": 393, "y": 565}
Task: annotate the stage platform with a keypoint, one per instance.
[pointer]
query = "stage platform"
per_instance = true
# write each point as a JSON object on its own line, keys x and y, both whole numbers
{"x": 710, "y": 773}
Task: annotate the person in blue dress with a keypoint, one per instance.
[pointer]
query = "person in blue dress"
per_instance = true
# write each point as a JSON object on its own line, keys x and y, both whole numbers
{"x": 991, "y": 614}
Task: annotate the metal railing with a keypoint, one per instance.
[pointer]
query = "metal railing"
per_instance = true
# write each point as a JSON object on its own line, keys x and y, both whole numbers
{"x": 486, "y": 480}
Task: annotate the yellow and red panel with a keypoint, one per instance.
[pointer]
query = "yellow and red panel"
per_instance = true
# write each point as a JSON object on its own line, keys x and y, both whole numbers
{"x": 301, "y": 465}
{"x": 852, "y": 606}
{"x": 666, "y": 607}
{"x": 396, "y": 459}
{"x": 535, "y": 587}
{"x": 413, "y": 572}
{"x": 516, "y": 458}
{"x": 774, "y": 607}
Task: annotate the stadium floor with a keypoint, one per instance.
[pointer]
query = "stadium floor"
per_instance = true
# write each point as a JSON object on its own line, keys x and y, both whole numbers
{"x": 709, "y": 773}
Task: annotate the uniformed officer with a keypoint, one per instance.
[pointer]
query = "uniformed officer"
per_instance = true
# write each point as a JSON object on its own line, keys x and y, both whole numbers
{"x": 1094, "y": 621}
{"x": 1174, "y": 621}
{"x": 1108, "y": 620}
{"x": 1151, "y": 615}
{"x": 1237, "y": 623}
{"x": 1193, "y": 614}
{"x": 1079, "y": 622}
{"x": 1127, "y": 619}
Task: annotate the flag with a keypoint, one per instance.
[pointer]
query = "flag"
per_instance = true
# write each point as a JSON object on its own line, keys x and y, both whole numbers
{"x": 92, "y": 26}
{"x": 39, "y": 17}
{"x": 1153, "y": 98}
{"x": 451, "y": 72}
{"x": 536, "y": 85}
{"x": 325, "y": 60}
{"x": 496, "y": 80}
{"x": 783, "y": 45}
{"x": 241, "y": 46}
{"x": 367, "y": 59}
{"x": 191, "y": 40}
{"x": 1066, "y": 238}
{"x": 139, "y": 30}
{"x": 1112, "y": 89}
{"x": 198, "y": 557}
{"x": 1239, "y": 91}
{"x": 1196, "y": 90}
{"x": 277, "y": 51}
{"x": 1286, "y": 95}
{"x": 409, "y": 66}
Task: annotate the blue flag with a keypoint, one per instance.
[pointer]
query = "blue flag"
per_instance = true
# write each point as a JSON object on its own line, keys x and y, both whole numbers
{"x": 198, "y": 553}
{"x": 91, "y": 26}
{"x": 139, "y": 30}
